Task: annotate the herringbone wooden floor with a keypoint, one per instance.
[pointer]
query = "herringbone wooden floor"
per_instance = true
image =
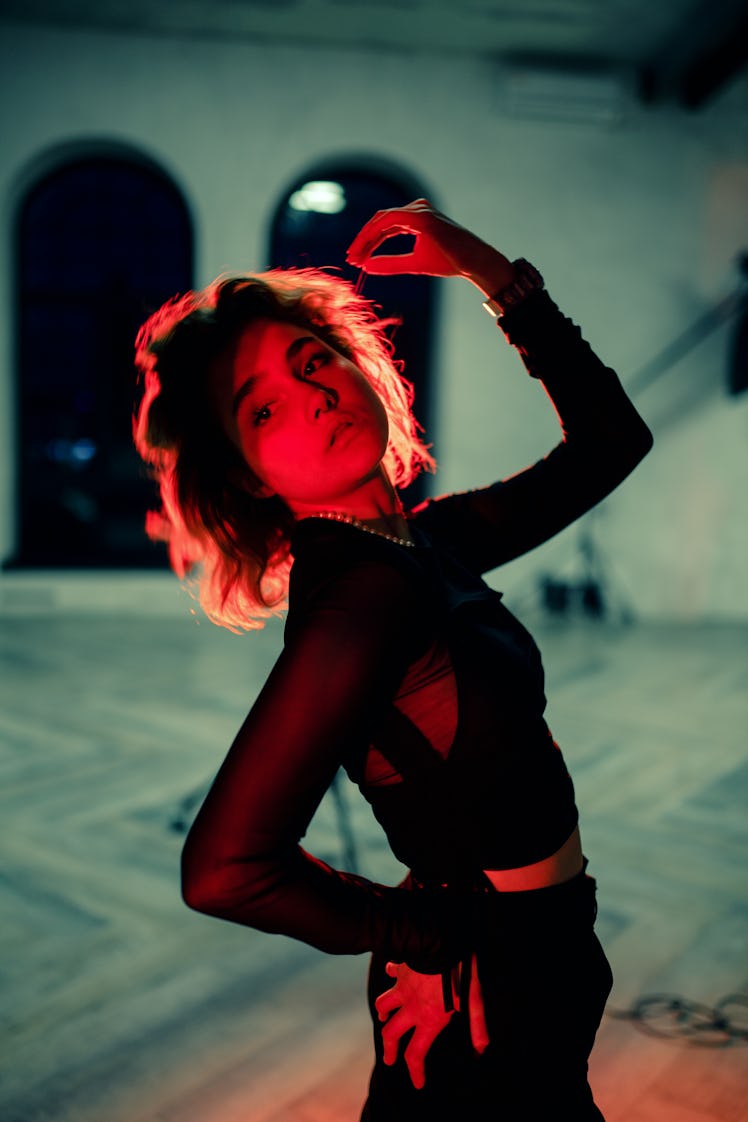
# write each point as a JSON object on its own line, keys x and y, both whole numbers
{"x": 120, "y": 1004}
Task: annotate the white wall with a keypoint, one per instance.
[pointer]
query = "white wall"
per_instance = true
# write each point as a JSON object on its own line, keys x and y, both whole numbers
{"x": 634, "y": 224}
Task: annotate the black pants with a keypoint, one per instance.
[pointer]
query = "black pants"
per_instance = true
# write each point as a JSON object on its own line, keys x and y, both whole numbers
{"x": 545, "y": 981}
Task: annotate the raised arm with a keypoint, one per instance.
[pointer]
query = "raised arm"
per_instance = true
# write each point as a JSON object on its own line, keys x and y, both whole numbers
{"x": 242, "y": 862}
{"x": 603, "y": 437}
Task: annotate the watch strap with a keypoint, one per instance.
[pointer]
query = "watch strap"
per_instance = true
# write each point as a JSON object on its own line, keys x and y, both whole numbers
{"x": 527, "y": 280}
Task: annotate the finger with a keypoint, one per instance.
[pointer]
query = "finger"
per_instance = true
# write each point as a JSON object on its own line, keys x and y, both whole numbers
{"x": 415, "y": 1057}
{"x": 383, "y": 226}
{"x": 356, "y": 255}
{"x": 388, "y": 265}
{"x": 387, "y": 1002}
{"x": 477, "y": 1012}
{"x": 411, "y": 219}
{"x": 391, "y": 969}
{"x": 398, "y": 1024}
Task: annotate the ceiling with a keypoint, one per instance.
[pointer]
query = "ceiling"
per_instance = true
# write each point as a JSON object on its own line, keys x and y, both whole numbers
{"x": 676, "y": 50}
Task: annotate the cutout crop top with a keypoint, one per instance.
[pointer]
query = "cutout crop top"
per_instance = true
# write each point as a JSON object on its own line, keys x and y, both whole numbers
{"x": 404, "y": 667}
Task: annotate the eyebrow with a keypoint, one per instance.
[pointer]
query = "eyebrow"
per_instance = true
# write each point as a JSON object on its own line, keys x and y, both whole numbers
{"x": 249, "y": 383}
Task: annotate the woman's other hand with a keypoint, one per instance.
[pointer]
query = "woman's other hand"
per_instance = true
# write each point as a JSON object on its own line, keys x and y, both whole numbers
{"x": 416, "y": 1002}
{"x": 442, "y": 248}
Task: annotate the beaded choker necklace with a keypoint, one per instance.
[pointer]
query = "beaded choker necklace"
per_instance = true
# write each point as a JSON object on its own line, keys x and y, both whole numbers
{"x": 352, "y": 521}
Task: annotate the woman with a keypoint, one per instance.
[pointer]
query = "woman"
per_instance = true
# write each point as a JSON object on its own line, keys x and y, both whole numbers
{"x": 279, "y": 431}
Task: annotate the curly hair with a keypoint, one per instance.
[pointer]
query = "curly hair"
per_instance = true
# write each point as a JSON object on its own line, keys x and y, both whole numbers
{"x": 238, "y": 545}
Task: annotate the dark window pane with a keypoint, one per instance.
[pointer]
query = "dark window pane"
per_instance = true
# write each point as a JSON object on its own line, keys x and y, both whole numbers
{"x": 101, "y": 244}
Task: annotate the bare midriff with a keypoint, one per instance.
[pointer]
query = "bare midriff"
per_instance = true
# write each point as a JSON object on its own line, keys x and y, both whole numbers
{"x": 561, "y": 866}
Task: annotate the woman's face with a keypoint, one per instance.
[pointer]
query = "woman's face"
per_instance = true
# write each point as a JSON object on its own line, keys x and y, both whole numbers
{"x": 305, "y": 419}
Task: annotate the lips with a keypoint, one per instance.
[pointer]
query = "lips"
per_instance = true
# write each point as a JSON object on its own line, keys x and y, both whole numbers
{"x": 338, "y": 431}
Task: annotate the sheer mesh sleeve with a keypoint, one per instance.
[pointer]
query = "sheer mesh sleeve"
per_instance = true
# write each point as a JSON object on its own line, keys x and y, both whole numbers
{"x": 345, "y": 653}
{"x": 604, "y": 438}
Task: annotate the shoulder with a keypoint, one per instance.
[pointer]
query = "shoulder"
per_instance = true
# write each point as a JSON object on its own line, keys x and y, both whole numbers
{"x": 441, "y": 517}
{"x": 449, "y": 521}
{"x": 472, "y": 527}
{"x": 359, "y": 577}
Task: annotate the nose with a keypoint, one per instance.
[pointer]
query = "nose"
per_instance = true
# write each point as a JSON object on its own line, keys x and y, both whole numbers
{"x": 322, "y": 400}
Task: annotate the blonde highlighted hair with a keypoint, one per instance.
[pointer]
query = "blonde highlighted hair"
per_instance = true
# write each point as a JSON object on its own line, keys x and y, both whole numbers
{"x": 235, "y": 545}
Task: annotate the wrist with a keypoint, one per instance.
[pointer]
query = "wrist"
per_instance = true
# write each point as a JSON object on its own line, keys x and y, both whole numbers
{"x": 492, "y": 280}
{"x": 491, "y": 273}
{"x": 527, "y": 280}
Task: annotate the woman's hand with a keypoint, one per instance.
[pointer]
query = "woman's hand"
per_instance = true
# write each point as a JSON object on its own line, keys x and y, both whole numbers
{"x": 416, "y": 1001}
{"x": 442, "y": 248}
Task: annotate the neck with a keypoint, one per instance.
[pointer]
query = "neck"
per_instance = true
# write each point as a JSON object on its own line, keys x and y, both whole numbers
{"x": 376, "y": 505}
{"x": 369, "y": 527}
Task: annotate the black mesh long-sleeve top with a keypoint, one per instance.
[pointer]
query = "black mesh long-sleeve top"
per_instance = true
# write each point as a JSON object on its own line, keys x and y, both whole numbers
{"x": 404, "y": 667}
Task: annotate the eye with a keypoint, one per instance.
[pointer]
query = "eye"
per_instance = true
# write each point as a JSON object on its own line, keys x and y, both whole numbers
{"x": 261, "y": 415}
{"x": 313, "y": 364}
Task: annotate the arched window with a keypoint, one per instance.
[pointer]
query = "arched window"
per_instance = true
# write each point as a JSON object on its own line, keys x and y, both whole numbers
{"x": 101, "y": 242}
{"x": 315, "y": 222}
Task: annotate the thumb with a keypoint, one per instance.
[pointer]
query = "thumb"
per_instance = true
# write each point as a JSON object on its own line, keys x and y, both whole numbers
{"x": 387, "y": 264}
{"x": 391, "y": 969}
